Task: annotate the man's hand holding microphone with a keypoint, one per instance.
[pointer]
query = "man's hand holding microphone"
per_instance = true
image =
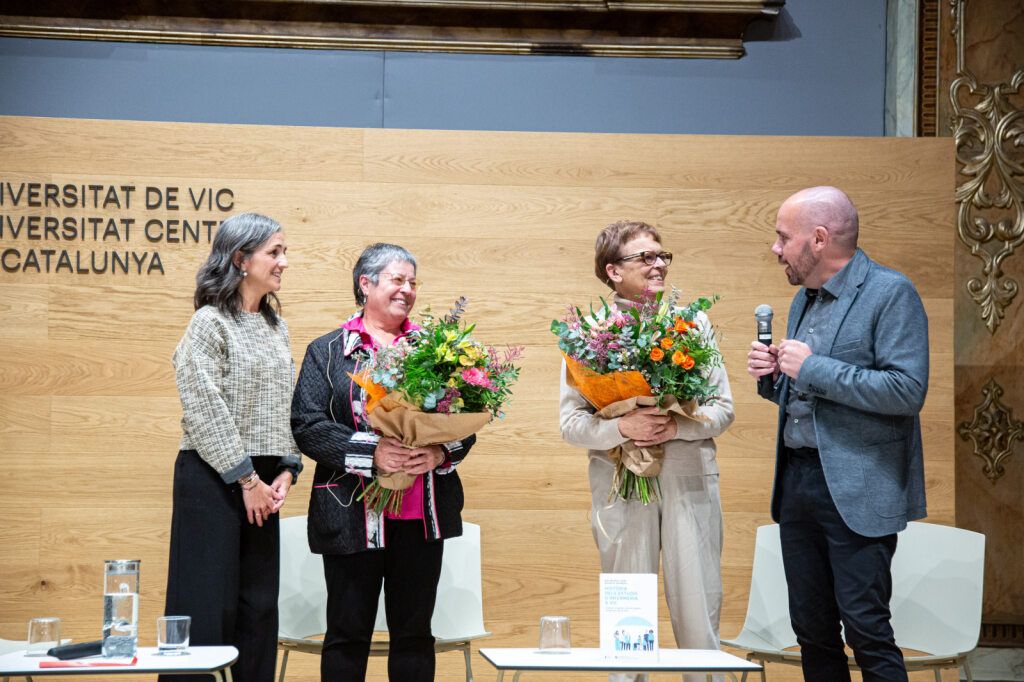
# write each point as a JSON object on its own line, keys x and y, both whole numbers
{"x": 766, "y": 360}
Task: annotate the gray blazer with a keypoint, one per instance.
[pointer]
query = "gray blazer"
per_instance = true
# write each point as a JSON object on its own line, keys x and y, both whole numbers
{"x": 869, "y": 387}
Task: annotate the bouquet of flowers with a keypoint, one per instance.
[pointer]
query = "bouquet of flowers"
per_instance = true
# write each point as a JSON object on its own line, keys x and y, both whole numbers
{"x": 436, "y": 385}
{"x": 651, "y": 352}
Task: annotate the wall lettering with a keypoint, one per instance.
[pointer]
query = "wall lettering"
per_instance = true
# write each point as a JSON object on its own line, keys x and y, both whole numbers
{"x": 68, "y": 236}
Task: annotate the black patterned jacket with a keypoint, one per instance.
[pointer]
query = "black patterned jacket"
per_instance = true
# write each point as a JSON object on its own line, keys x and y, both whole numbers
{"x": 329, "y": 427}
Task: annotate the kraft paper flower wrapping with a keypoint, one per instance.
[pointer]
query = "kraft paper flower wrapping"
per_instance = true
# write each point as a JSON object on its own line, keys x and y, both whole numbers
{"x": 397, "y": 418}
{"x": 618, "y": 393}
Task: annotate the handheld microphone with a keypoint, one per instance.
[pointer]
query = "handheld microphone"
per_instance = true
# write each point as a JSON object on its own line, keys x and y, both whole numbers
{"x": 763, "y": 314}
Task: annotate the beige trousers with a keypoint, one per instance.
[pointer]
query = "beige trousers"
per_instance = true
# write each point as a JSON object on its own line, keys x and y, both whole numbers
{"x": 684, "y": 530}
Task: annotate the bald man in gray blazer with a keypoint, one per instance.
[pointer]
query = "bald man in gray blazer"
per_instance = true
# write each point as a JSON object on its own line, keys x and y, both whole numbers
{"x": 850, "y": 379}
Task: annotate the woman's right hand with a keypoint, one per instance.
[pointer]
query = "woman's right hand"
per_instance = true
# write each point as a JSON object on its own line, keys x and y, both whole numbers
{"x": 260, "y": 502}
{"x": 390, "y": 455}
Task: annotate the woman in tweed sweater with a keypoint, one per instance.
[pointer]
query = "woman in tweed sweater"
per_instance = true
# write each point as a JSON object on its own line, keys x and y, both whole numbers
{"x": 238, "y": 459}
{"x": 361, "y": 548}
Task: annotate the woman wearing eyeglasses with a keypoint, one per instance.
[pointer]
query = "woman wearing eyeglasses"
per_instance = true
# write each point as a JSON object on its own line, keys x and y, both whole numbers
{"x": 362, "y": 549}
{"x": 685, "y": 526}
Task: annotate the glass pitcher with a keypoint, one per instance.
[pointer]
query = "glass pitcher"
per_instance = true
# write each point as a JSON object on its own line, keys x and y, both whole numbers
{"x": 121, "y": 607}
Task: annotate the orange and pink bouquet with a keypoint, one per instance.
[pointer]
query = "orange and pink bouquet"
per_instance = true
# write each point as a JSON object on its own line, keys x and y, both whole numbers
{"x": 651, "y": 352}
{"x": 438, "y": 384}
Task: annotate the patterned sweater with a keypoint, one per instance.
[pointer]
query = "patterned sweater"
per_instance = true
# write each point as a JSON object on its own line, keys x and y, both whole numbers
{"x": 235, "y": 379}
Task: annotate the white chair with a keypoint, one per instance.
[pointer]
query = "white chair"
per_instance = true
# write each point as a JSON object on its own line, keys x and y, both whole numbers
{"x": 8, "y": 646}
{"x": 302, "y": 603}
{"x": 937, "y": 572}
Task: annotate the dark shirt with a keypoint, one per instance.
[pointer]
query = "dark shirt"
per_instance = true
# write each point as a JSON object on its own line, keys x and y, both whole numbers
{"x": 815, "y": 324}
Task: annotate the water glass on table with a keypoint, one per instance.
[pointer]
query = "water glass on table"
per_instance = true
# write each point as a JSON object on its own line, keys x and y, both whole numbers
{"x": 172, "y": 634}
{"x": 554, "y": 635}
{"x": 43, "y": 635}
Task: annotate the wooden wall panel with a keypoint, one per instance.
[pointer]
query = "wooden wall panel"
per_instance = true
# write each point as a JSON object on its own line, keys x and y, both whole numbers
{"x": 89, "y": 412}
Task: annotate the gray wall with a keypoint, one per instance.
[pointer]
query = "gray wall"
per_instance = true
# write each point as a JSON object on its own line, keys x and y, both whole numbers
{"x": 817, "y": 70}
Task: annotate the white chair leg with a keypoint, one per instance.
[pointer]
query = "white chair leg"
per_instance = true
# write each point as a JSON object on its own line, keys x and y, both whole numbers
{"x": 967, "y": 671}
{"x": 467, "y": 653}
{"x": 284, "y": 666}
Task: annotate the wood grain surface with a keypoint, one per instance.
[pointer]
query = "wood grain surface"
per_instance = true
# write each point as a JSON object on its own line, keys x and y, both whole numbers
{"x": 89, "y": 412}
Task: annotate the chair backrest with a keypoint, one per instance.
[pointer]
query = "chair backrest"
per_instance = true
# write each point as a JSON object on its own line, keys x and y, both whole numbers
{"x": 459, "y": 608}
{"x": 302, "y": 603}
{"x": 10, "y": 645}
{"x": 768, "y": 604}
{"x": 937, "y": 571}
{"x": 937, "y": 576}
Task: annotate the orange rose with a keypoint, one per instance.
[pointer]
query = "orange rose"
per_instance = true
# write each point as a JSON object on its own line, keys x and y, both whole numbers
{"x": 666, "y": 343}
{"x": 678, "y": 357}
{"x": 692, "y": 324}
{"x": 687, "y": 362}
{"x": 657, "y": 354}
{"x": 680, "y": 325}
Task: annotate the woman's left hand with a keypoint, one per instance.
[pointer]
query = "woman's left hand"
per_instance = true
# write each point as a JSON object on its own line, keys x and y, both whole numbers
{"x": 665, "y": 434}
{"x": 423, "y": 460}
{"x": 281, "y": 485}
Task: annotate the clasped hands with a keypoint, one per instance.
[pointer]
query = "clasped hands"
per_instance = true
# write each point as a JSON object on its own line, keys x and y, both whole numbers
{"x": 647, "y": 426}
{"x": 262, "y": 500}
{"x": 392, "y": 457}
{"x": 788, "y": 357}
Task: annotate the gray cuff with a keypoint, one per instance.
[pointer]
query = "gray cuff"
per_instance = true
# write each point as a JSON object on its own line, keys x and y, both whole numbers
{"x": 243, "y": 468}
{"x": 292, "y": 465}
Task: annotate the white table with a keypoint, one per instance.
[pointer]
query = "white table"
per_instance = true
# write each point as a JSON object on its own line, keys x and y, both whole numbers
{"x": 209, "y": 660}
{"x": 709, "y": 661}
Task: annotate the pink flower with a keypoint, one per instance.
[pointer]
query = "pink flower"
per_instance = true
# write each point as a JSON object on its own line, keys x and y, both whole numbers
{"x": 474, "y": 376}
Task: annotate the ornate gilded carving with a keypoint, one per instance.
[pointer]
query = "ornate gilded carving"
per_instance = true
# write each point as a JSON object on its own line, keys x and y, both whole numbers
{"x": 989, "y": 133}
{"x": 993, "y": 430}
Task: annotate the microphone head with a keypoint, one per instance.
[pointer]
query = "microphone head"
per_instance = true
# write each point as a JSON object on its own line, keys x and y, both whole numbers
{"x": 763, "y": 312}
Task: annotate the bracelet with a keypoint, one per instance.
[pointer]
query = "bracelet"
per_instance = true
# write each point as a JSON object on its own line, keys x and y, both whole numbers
{"x": 249, "y": 481}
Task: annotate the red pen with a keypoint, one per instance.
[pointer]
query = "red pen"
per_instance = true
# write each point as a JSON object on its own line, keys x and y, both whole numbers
{"x": 85, "y": 663}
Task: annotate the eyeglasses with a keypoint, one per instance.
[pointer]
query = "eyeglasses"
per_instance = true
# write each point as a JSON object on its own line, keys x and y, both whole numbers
{"x": 400, "y": 280}
{"x": 650, "y": 257}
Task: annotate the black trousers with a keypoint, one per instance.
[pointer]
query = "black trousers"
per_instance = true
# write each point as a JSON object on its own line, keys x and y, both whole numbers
{"x": 835, "y": 575}
{"x": 409, "y": 567}
{"x": 224, "y": 571}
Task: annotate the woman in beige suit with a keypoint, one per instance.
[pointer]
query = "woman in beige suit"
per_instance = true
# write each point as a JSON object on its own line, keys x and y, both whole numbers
{"x": 684, "y": 527}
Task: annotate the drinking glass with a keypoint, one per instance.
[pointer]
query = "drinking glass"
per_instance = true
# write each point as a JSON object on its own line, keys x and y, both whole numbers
{"x": 554, "y": 634}
{"x": 172, "y": 635}
{"x": 43, "y": 635}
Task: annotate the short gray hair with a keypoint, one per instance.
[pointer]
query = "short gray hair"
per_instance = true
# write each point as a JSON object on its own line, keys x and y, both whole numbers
{"x": 218, "y": 278}
{"x": 372, "y": 262}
